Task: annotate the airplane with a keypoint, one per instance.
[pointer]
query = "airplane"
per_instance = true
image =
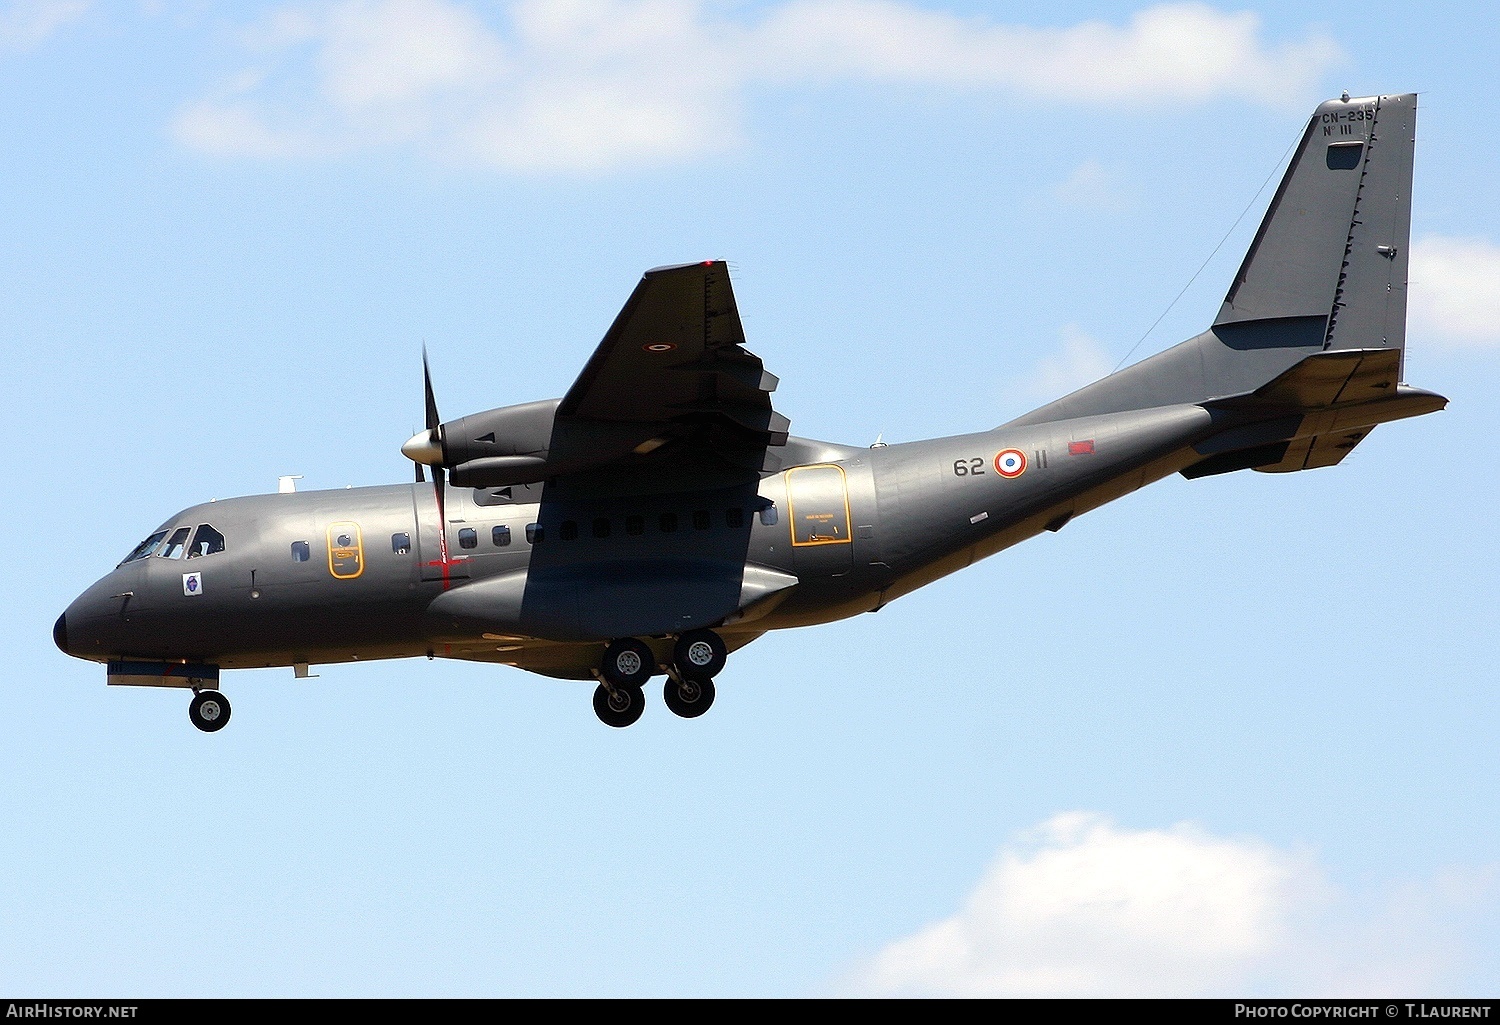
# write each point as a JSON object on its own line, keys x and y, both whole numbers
{"x": 660, "y": 516}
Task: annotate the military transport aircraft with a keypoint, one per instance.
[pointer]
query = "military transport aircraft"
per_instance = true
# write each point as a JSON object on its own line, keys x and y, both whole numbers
{"x": 659, "y": 516}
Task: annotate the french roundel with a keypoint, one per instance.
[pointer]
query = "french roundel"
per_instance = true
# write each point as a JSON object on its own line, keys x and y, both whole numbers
{"x": 1010, "y": 463}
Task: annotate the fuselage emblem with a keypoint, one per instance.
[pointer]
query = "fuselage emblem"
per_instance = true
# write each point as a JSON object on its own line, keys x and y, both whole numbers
{"x": 1010, "y": 463}
{"x": 192, "y": 584}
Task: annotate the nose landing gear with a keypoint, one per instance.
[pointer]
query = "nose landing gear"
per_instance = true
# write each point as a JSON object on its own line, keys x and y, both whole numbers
{"x": 209, "y": 710}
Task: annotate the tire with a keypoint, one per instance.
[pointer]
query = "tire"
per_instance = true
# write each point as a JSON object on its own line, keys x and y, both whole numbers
{"x": 620, "y": 709}
{"x": 628, "y": 662}
{"x": 699, "y": 655}
{"x": 209, "y": 711}
{"x": 690, "y": 698}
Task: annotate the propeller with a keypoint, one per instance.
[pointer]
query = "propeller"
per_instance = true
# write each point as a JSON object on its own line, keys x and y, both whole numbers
{"x": 426, "y": 448}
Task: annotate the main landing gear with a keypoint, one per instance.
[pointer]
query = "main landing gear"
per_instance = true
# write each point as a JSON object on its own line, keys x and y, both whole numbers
{"x": 697, "y": 657}
{"x": 209, "y": 710}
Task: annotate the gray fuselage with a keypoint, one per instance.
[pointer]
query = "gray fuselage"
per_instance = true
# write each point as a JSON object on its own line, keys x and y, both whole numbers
{"x": 544, "y": 580}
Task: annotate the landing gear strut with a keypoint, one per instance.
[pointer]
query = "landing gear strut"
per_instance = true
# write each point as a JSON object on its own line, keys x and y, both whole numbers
{"x": 209, "y": 711}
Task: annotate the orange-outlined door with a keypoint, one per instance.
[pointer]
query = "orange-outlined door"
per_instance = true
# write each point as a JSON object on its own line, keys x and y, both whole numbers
{"x": 818, "y": 512}
{"x": 346, "y": 550}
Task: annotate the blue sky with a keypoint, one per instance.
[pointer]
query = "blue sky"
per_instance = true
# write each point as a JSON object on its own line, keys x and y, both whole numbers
{"x": 1232, "y": 736}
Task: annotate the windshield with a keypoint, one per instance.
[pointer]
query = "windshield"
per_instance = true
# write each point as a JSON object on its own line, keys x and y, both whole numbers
{"x": 176, "y": 543}
{"x": 145, "y": 548}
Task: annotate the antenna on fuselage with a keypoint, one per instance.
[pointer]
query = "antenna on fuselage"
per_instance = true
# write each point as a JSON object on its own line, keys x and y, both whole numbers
{"x": 287, "y": 485}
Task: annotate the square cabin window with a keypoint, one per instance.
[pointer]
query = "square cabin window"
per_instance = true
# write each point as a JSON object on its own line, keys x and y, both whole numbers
{"x": 468, "y": 537}
{"x": 701, "y": 520}
{"x": 534, "y": 533}
{"x": 301, "y": 552}
{"x": 401, "y": 543}
{"x": 500, "y": 537}
{"x": 601, "y": 527}
{"x": 635, "y": 525}
{"x": 768, "y": 516}
{"x": 668, "y": 522}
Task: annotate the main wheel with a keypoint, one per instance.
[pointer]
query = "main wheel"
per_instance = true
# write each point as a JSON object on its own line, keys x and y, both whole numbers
{"x": 209, "y": 711}
{"x": 619, "y": 707}
{"x": 699, "y": 654}
{"x": 628, "y": 662}
{"x": 689, "y": 698}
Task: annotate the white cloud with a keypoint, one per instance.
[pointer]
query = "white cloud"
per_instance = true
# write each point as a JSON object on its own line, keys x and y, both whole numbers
{"x": 595, "y": 84}
{"x": 1090, "y": 186}
{"x": 25, "y": 24}
{"x": 1454, "y": 295}
{"x": 1081, "y": 361}
{"x": 1083, "y": 907}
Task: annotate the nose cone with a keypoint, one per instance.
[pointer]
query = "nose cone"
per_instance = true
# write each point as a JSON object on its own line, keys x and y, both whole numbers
{"x": 60, "y": 634}
{"x": 423, "y": 448}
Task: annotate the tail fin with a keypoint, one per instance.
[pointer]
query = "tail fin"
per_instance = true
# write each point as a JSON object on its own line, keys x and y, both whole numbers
{"x": 1332, "y": 246}
{"x": 1326, "y": 270}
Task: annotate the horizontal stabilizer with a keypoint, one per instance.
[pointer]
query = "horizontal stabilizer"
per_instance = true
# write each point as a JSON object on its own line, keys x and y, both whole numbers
{"x": 1324, "y": 379}
{"x": 1319, "y": 450}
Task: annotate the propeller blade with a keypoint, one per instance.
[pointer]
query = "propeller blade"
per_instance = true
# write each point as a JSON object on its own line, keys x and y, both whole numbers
{"x": 440, "y": 487}
{"x": 433, "y": 420}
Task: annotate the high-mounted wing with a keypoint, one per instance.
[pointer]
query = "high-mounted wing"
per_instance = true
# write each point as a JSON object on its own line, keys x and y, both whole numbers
{"x": 673, "y": 367}
{"x": 670, "y": 400}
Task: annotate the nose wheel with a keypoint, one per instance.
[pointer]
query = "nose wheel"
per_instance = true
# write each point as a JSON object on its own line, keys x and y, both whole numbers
{"x": 209, "y": 711}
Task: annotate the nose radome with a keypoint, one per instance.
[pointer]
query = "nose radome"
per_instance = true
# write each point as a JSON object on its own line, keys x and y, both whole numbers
{"x": 60, "y": 633}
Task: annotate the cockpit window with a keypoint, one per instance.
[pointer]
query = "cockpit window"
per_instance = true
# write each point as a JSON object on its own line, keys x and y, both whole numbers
{"x": 177, "y": 543}
{"x": 145, "y": 548}
{"x": 207, "y": 541}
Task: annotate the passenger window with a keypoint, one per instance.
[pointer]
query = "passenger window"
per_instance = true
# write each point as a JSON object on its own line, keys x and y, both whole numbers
{"x": 207, "y": 541}
{"x": 300, "y": 551}
{"x": 500, "y": 537}
{"x": 176, "y": 543}
{"x": 700, "y": 519}
{"x": 468, "y": 537}
{"x": 635, "y": 525}
{"x": 601, "y": 527}
{"x": 768, "y": 516}
{"x": 145, "y": 548}
{"x": 401, "y": 543}
{"x": 734, "y": 518}
{"x": 533, "y": 533}
{"x": 568, "y": 531}
{"x": 668, "y": 522}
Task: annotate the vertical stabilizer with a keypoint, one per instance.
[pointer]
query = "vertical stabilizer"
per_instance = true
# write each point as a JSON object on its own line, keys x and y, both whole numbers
{"x": 1326, "y": 271}
{"x": 1332, "y": 246}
